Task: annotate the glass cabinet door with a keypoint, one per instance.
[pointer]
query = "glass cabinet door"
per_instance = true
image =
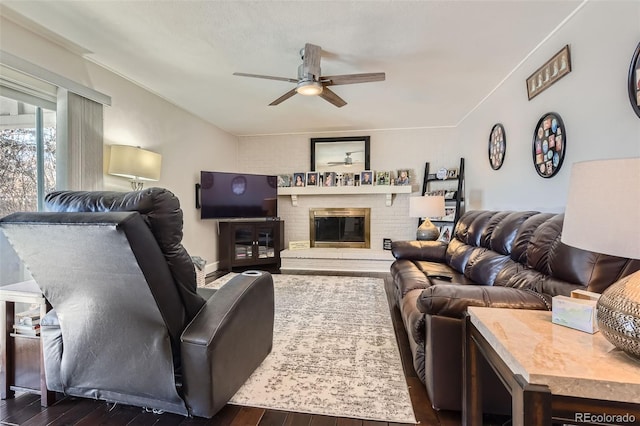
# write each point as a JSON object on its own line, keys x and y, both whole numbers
{"x": 243, "y": 238}
{"x": 266, "y": 244}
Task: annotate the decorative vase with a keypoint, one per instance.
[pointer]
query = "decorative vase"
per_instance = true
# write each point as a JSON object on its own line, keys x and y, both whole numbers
{"x": 619, "y": 314}
{"x": 427, "y": 231}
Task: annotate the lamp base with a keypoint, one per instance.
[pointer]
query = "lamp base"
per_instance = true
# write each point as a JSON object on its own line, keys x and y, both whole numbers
{"x": 618, "y": 311}
{"x": 136, "y": 185}
{"x": 427, "y": 231}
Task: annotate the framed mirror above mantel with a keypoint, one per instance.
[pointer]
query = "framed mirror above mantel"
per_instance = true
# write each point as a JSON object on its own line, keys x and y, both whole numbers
{"x": 345, "y": 154}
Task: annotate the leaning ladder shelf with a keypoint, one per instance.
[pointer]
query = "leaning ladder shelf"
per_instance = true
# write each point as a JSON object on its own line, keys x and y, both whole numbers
{"x": 430, "y": 178}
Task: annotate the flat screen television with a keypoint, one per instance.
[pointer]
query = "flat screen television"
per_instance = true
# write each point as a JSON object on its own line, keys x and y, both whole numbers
{"x": 237, "y": 195}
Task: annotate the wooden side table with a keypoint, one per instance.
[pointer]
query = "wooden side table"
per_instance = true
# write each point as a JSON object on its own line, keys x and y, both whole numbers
{"x": 21, "y": 361}
{"x": 552, "y": 372}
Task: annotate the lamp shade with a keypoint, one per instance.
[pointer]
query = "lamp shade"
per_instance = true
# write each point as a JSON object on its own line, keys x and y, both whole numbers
{"x": 426, "y": 206}
{"x": 134, "y": 163}
{"x": 603, "y": 207}
{"x": 603, "y": 216}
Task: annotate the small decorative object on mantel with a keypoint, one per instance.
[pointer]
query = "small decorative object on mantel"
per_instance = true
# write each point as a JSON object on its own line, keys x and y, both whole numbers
{"x": 634, "y": 81}
{"x": 284, "y": 181}
{"x": 553, "y": 70}
{"x": 497, "y": 146}
{"x": 312, "y": 179}
{"x": 404, "y": 177}
{"x": 383, "y": 178}
{"x": 299, "y": 179}
{"x": 366, "y": 177}
{"x": 549, "y": 144}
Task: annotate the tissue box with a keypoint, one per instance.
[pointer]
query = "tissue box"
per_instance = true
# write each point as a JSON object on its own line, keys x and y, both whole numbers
{"x": 575, "y": 312}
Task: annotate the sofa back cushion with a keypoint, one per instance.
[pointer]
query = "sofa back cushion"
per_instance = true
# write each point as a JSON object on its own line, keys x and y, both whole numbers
{"x": 563, "y": 268}
{"x": 523, "y": 250}
{"x": 161, "y": 211}
{"x": 482, "y": 243}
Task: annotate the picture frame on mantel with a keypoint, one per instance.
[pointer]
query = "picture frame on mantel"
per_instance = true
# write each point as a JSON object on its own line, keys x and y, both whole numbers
{"x": 634, "y": 81}
{"x": 553, "y": 70}
{"x": 345, "y": 154}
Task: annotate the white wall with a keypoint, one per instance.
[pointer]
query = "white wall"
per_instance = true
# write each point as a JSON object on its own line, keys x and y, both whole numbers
{"x": 592, "y": 101}
{"x": 138, "y": 117}
{"x": 390, "y": 150}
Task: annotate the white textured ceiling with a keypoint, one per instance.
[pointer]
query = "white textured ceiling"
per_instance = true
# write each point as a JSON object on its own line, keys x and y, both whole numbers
{"x": 441, "y": 58}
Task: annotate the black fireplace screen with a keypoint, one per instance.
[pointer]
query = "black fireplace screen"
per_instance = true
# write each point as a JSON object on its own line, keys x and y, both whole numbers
{"x": 339, "y": 229}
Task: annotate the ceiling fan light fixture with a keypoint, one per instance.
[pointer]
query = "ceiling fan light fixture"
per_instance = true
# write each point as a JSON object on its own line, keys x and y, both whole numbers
{"x": 309, "y": 88}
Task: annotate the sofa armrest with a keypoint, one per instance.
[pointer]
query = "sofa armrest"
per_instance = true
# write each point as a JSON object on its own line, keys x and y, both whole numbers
{"x": 453, "y": 300}
{"x": 432, "y": 251}
{"x": 226, "y": 341}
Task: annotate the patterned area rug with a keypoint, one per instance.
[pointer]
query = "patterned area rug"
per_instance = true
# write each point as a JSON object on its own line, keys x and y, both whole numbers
{"x": 334, "y": 352}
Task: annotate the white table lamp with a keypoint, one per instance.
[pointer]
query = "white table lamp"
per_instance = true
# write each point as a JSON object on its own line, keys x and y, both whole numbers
{"x": 134, "y": 163}
{"x": 426, "y": 207}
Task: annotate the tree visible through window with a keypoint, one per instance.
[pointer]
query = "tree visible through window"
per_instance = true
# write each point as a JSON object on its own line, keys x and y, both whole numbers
{"x": 27, "y": 155}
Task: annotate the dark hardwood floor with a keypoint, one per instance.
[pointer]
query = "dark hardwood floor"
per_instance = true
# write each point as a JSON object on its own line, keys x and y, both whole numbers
{"x": 25, "y": 409}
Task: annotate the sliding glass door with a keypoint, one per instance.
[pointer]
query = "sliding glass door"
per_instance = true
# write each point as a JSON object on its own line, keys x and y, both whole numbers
{"x": 27, "y": 170}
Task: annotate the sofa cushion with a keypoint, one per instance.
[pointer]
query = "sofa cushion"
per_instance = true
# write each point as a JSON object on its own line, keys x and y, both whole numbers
{"x": 527, "y": 228}
{"x": 453, "y": 300}
{"x": 484, "y": 265}
{"x": 506, "y": 230}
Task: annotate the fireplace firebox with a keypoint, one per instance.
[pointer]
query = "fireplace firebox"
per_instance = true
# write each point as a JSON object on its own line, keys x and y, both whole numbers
{"x": 340, "y": 227}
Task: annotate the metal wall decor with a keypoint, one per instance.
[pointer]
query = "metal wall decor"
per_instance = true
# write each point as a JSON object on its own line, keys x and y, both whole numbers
{"x": 553, "y": 70}
{"x": 634, "y": 81}
{"x": 497, "y": 146}
{"x": 549, "y": 144}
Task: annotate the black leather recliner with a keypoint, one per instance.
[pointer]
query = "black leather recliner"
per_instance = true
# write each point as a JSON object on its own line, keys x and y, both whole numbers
{"x": 127, "y": 323}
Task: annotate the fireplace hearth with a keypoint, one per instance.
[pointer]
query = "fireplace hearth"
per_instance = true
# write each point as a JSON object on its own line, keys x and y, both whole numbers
{"x": 340, "y": 227}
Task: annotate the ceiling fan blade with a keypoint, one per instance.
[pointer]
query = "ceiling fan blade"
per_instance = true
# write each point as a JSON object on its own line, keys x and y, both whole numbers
{"x": 335, "y": 80}
{"x": 330, "y": 96}
{"x": 311, "y": 60}
{"x": 267, "y": 77}
{"x": 284, "y": 97}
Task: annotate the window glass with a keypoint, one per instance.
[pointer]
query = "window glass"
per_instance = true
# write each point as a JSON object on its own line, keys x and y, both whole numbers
{"x": 27, "y": 155}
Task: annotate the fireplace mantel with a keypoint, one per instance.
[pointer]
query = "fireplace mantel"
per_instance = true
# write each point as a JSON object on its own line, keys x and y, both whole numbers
{"x": 387, "y": 190}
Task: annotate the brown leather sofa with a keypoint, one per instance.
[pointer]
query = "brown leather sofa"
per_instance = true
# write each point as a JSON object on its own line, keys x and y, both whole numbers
{"x": 128, "y": 324}
{"x": 496, "y": 259}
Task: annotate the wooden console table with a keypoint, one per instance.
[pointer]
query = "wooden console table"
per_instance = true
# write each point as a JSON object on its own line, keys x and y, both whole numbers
{"x": 551, "y": 371}
{"x": 21, "y": 362}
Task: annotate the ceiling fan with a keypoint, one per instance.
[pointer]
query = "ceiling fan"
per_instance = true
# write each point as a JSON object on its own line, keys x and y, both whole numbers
{"x": 348, "y": 161}
{"x": 310, "y": 82}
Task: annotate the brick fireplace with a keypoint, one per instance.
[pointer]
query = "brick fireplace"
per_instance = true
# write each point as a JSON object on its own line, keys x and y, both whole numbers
{"x": 386, "y": 221}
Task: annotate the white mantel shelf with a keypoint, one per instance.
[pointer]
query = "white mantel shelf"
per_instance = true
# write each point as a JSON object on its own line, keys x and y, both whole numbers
{"x": 387, "y": 190}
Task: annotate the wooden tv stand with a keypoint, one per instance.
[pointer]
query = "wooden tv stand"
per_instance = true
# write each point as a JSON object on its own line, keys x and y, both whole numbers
{"x": 247, "y": 243}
